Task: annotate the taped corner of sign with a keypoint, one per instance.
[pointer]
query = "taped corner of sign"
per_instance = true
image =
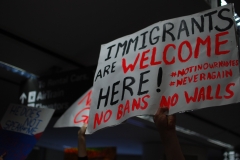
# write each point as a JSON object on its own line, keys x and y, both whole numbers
{"x": 87, "y": 133}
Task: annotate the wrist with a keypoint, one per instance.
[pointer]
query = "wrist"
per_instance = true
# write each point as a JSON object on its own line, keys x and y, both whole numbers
{"x": 81, "y": 140}
{"x": 168, "y": 135}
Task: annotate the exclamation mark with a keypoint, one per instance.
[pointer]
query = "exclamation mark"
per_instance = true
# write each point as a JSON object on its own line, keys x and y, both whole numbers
{"x": 159, "y": 80}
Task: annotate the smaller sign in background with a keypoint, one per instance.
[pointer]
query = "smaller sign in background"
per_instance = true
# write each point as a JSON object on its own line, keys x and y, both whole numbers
{"x": 20, "y": 128}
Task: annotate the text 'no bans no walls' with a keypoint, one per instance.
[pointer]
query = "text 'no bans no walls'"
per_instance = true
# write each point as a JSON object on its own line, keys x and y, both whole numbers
{"x": 185, "y": 63}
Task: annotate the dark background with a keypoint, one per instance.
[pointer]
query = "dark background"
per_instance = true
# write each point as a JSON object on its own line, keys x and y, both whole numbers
{"x": 50, "y": 37}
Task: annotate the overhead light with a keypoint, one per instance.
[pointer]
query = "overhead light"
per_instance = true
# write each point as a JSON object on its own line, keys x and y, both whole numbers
{"x": 237, "y": 19}
{"x": 17, "y": 70}
{"x": 231, "y": 155}
{"x": 223, "y": 3}
{"x": 222, "y": 144}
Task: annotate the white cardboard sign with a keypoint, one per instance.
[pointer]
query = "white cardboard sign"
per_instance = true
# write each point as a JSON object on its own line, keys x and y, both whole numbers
{"x": 78, "y": 113}
{"x": 185, "y": 63}
{"x": 26, "y": 120}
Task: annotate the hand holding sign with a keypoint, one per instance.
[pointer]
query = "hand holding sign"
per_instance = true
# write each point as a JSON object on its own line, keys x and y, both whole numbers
{"x": 3, "y": 155}
{"x": 164, "y": 122}
{"x": 82, "y": 150}
{"x": 166, "y": 125}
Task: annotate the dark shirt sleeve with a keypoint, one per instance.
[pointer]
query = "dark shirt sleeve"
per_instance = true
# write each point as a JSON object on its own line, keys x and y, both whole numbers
{"x": 83, "y": 158}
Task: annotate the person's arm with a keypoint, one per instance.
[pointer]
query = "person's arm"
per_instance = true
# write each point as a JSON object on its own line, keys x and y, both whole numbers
{"x": 166, "y": 127}
{"x": 2, "y": 156}
{"x": 82, "y": 150}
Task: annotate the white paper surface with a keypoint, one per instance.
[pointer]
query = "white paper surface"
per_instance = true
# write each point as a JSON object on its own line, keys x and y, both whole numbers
{"x": 26, "y": 120}
{"x": 197, "y": 56}
{"x": 78, "y": 112}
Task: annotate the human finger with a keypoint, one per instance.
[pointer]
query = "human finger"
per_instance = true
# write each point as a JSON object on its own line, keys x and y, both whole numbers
{"x": 84, "y": 128}
{"x": 156, "y": 114}
{"x": 164, "y": 110}
{"x": 172, "y": 119}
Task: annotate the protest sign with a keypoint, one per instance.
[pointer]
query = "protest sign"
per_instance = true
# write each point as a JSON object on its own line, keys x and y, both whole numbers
{"x": 77, "y": 114}
{"x": 20, "y": 129}
{"x": 184, "y": 63}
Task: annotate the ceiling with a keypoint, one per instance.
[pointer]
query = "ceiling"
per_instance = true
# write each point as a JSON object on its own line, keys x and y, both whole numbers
{"x": 236, "y": 4}
{"x": 44, "y": 37}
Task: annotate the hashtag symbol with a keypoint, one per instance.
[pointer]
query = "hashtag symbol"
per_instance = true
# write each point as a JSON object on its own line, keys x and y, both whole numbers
{"x": 173, "y": 74}
{"x": 172, "y": 83}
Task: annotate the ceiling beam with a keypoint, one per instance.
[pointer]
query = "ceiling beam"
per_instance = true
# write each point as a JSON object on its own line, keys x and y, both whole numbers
{"x": 213, "y": 124}
{"x": 40, "y": 48}
{"x": 9, "y": 81}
